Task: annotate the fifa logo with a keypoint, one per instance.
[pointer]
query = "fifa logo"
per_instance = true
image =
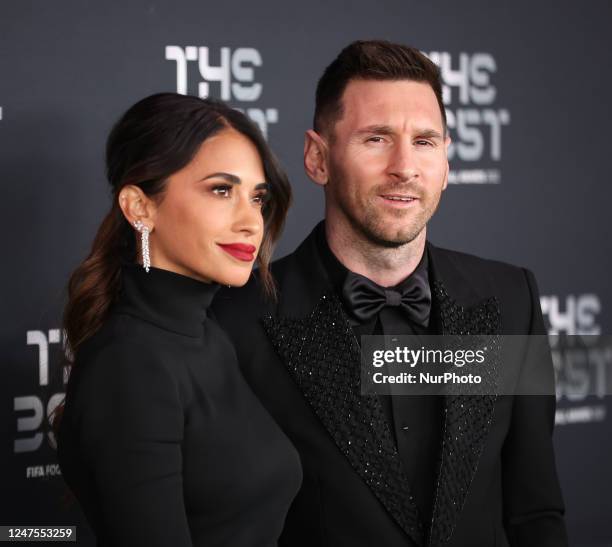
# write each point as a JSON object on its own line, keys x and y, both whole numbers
{"x": 232, "y": 77}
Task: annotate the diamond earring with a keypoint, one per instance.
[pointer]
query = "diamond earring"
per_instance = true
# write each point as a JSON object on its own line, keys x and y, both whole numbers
{"x": 144, "y": 243}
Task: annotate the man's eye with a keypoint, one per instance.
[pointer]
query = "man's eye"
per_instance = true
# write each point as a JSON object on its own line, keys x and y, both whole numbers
{"x": 223, "y": 190}
{"x": 424, "y": 143}
{"x": 376, "y": 139}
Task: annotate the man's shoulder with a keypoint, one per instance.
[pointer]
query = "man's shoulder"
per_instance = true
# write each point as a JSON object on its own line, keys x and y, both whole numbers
{"x": 475, "y": 263}
{"x": 487, "y": 276}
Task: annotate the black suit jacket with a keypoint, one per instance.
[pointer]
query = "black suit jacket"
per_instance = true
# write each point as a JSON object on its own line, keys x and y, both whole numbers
{"x": 496, "y": 484}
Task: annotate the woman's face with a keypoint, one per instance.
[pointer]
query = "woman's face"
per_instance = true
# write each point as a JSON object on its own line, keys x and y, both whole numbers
{"x": 209, "y": 223}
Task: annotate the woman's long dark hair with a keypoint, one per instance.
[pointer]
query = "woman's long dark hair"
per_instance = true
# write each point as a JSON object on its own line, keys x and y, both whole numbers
{"x": 155, "y": 138}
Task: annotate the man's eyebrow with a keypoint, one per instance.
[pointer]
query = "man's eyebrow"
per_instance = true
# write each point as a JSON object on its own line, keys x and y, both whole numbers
{"x": 429, "y": 133}
{"x": 388, "y": 130}
{"x": 233, "y": 179}
{"x": 379, "y": 129}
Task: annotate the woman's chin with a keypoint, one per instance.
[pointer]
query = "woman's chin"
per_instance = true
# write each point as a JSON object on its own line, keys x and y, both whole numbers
{"x": 238, "y": 280}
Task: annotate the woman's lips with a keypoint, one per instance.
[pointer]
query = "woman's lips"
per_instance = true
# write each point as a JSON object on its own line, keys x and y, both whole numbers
{"x": 241, "y": 251}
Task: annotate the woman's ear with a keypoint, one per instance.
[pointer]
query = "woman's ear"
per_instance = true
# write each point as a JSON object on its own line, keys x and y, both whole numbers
{"x": 137, "y": 206}
{"x": 315, "y": 158}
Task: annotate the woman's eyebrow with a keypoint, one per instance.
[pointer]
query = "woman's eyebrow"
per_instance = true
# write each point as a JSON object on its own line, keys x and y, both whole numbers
{"x": 221, "y": 175}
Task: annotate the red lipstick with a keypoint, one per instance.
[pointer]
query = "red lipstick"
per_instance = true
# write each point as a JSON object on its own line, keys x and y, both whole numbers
{"x": 241, "y": 251}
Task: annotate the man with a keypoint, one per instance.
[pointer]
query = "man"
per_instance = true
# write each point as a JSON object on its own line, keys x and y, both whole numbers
{"x": 380, "y": 470}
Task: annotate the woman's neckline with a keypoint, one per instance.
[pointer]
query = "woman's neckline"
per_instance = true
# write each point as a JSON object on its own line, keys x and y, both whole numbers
{"x": 172, "y": 301}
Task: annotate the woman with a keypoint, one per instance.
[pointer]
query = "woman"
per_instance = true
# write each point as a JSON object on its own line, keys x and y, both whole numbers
{"x": 161, "y": 440}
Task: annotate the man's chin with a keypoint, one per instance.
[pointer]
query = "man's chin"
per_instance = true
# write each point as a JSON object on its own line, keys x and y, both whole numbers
{"x": 391, "y": 239}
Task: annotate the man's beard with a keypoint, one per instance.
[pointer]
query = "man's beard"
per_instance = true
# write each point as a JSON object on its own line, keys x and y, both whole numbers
{"x": 371, "y": 224}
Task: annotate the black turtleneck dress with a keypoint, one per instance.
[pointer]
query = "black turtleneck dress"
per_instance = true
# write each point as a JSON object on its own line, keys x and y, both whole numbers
{"x": 162, "y": 441}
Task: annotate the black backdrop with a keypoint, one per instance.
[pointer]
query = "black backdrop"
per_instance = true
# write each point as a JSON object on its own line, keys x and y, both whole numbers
{"x": 528, "y": 101}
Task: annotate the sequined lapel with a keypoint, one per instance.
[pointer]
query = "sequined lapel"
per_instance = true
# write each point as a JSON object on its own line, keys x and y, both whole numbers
{"x": 319, "y": 349}
{"x": 323, "y": 356}
{"x": 467, "y": 419}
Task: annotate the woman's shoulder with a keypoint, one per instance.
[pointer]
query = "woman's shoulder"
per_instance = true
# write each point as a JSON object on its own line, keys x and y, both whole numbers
{"x": 123, "y": 350}
{"x": 121, "y": 387}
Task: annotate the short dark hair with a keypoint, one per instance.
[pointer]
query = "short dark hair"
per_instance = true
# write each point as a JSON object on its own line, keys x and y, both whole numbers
{"x": 371, "y": 60}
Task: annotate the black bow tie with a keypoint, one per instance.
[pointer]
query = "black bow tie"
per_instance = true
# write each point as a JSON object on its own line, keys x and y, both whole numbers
{"x": 364, "y": 298}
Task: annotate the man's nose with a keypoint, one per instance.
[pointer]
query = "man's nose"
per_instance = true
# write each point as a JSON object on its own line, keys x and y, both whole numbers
{"x": 403, "y": 161}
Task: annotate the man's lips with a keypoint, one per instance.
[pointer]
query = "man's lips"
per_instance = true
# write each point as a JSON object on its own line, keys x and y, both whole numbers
{"x": 241, "y": 251}
{"x": 398, "y": 199}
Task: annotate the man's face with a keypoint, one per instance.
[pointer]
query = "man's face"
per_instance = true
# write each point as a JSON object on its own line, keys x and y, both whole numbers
{"x": 387, "y": 160}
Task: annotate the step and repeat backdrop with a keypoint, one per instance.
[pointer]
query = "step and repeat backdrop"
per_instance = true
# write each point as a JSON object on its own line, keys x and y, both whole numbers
{"x": 527, "y": 88}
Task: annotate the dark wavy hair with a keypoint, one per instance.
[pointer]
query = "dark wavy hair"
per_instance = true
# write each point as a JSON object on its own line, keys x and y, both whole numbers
{"x": 155, "y": 138}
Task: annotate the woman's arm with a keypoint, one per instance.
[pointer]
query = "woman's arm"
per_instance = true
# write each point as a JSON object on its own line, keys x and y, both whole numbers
{"x": 130, "y": 420}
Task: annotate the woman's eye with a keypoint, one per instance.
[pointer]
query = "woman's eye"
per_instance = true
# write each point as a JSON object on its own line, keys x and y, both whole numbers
{"x": 223, "y": 190}
{"x": 260, "y": 199}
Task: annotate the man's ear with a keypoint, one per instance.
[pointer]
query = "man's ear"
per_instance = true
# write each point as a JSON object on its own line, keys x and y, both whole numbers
{"x": 136, "y": 205}
{"x": 447, "y": 142}
{"x": 315, "y": 157}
